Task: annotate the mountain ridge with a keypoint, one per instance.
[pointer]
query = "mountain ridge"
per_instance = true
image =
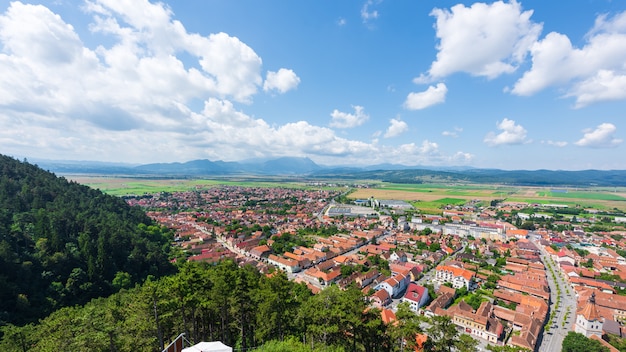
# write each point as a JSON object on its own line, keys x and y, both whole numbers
{"x": 305, "y": 167}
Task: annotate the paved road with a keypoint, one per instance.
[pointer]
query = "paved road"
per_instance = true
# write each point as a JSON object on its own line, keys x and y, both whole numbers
{"x": 564, "y": 318}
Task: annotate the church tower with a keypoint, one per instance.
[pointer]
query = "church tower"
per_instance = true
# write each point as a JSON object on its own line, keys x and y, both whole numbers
{"x": 588, "y": 321}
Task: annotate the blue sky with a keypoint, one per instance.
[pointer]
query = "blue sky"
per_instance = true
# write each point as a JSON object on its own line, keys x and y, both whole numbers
{"x": 510, "y": 85}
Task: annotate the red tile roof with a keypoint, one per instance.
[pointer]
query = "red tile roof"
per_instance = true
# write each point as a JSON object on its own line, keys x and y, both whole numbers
{"x": 414, "y": 292}
{"x": 590, "y": 311}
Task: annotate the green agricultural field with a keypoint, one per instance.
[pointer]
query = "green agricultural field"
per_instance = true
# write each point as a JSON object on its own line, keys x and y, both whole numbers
{"x": 451, "y": 201}
{"x": 436, "y": 206}
{"x": 580, "y": 203}
{"x": 585, "y": 198}
{"x": 583, "y": 195}
{"x": 138, "y": 186}
{"x": 121, "y": 186}
{"x": 428, "y": 207}
{"x": 429, "y": 198}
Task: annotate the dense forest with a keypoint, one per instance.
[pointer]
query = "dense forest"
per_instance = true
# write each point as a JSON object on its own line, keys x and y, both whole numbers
{"x": 235, "y": 305}
{"x": 62, "y": 243}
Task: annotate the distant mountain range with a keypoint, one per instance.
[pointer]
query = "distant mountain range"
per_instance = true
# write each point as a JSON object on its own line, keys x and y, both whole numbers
{"x": 202, "y": 167}
{"x": 305, "y": 167}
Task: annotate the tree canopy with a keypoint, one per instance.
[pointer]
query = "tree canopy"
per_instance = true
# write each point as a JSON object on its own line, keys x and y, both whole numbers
{"x": 236, "y": 305}
{"x": 62, "y": 243}
{"x": 575, "y": 342}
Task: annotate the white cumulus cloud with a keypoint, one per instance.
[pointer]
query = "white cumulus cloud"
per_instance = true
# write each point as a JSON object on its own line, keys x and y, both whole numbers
{"x": 426, "y": 151}
{"x": 483, "y": 40}
{"x": 132, "y": 98}
{"x": 151, "y": 91}
{"x": 346, "y": 120}
{"x": 605, "y": 85}
{"x": 367, "y": 13}
{"x": 601, "y": 137}
{"x": 431, "y": 96}
{"x": 282, "y": 81}
{"x": 231, "y": 132}
{"x": 429, "y": 147}
{"x": 454, "y": 133}
{"x": 559, "y": 144}
{"x": 463, "y": 157}
{"x": 396, "y": 128}
{"x": 136, "y": 80}
{"x": 590, "y": 74}
{"x": 511, "y": 134}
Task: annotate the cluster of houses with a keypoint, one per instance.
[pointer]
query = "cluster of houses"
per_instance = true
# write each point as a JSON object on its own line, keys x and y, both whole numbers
{"x": 490, "y": 322}
{"x": 609, "y": 306}
{"x": 515, "y": 314}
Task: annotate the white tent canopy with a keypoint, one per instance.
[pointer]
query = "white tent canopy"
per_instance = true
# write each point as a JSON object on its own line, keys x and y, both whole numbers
{"x": 215, "y": 346}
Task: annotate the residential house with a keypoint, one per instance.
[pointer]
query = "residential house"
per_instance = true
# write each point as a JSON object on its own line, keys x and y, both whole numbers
{"x": 516, "y": 234}
{"x": 380, "y": 299}
{"x": 260, "y": 251}
{"x": 591, "y": 283}
{"x": 395, "y": 284}
{"x": 416, "y": 296}
{"x": 387, "y": 315}
{"x": 480, "y": 323}
{"x": 398, "y": 256}
{"x": 439, "y": 304}
{"x": 529, "y": 333}
{"x": 566, "y": 256}
{"x": 458, "y": 277}
{"x": 286, "y": 264}
{"x": 366, "y": 278}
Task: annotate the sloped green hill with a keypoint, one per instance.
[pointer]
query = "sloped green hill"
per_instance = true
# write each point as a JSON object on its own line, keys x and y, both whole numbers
{"x": 63, "y": 244}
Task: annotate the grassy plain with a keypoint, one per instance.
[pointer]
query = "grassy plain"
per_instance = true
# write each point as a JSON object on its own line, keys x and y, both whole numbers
{"x": 583, "y": 195}
{"x": 431, "y": 198}
{"x": 120, "y": 186}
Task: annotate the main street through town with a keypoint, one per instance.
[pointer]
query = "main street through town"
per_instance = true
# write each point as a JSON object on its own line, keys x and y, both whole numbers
{"x": 562, "y": 306}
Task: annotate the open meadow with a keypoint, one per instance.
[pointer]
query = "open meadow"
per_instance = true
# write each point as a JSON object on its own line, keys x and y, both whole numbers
{"x": 121, "y": 186}
{"x": 429, "y": 198}
{"x": 432, "y": 197}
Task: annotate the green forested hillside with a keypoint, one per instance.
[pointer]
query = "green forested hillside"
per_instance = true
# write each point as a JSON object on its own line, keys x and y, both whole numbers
{"x": 63, "y": 244}
{"x": 237, "y": 306}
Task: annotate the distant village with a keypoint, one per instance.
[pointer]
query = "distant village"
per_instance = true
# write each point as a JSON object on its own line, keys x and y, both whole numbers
{"x": 506, "y": 273}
